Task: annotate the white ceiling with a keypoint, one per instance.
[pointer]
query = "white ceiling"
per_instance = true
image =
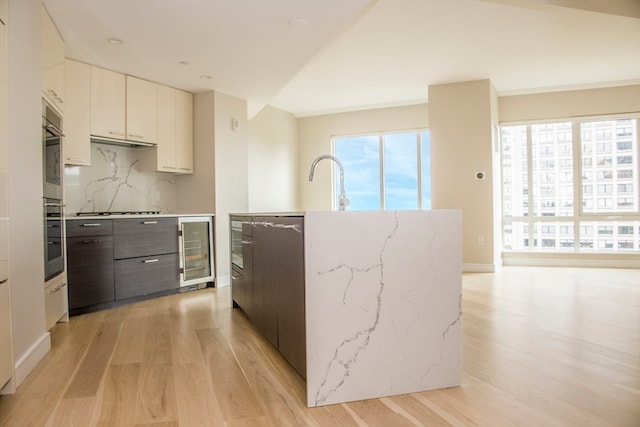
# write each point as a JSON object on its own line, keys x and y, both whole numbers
{"x": 355, "y": 54}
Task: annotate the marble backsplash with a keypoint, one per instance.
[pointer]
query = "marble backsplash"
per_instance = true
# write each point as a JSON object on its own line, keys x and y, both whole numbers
{"x": 113, "y": 182}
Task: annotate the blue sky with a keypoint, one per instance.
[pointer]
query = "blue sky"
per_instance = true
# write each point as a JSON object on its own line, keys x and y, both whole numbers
{"x": 360, "y": 157}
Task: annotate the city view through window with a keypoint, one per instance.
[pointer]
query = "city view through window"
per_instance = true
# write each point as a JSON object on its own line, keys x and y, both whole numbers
{"x": 571, "y": 186}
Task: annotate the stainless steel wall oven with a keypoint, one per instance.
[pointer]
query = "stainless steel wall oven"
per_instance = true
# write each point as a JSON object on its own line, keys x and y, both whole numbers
{"x": 52, "y": 171}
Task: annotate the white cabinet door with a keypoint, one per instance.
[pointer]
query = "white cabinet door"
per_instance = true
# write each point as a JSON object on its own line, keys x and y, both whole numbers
{"x": 166, "y": 149}
{"x": 142, "y": 101}
{"x": 52, "y": 61}
{"x": 107, "y": 103}
{"x": 184, "y": 131}
{"x": 76, "y": 146}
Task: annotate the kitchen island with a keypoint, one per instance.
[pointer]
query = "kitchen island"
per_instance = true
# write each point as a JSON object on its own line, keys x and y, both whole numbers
{"x": 381, "y": 294}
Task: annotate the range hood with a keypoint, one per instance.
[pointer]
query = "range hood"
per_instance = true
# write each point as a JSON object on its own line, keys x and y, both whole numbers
{"x": 120, "y": 142}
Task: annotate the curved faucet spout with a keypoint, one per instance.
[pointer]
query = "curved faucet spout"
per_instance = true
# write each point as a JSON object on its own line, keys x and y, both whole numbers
{"x": 342, "y": 198}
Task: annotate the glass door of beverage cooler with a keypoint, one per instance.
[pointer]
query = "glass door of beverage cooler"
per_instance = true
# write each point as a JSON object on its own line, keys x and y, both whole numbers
{"x": 196, "y": 251}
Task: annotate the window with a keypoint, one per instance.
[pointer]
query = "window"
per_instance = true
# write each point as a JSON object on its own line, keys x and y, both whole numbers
{"x": 387, "y": 171}
{"x": 571, "y": 186}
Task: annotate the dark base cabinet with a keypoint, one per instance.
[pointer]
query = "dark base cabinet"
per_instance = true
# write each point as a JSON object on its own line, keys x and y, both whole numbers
{"x": 90, "y": 270}
{"x": 116, "y": 261}
{"x": 270, "y": 288}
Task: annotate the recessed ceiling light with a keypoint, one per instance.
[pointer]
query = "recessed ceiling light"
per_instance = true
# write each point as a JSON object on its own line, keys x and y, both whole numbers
{"x": 115, "y": 40}
{"x": 205, "y": 77}
{"x": 297, "y": 22}
{"x": 183, "y": 62}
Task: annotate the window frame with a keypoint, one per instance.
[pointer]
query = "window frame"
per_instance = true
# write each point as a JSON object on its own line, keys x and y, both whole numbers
{"x": 579, "y": 216}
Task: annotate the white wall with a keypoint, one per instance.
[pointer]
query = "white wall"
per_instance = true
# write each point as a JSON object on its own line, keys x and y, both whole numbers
{"x": 460, "y": 124}
{"x": 273, "y": 161}
{"x": 314, "y": 139}
{"x": 575, "y": 103}
{"x": 30, "y": 338}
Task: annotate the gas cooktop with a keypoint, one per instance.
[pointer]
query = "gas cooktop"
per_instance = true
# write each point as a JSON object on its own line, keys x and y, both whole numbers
{"x": 107, "y": 213}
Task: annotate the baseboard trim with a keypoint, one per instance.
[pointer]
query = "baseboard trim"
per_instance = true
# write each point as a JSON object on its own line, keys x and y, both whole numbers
{"x": 567, "y": 262}
{"x": 478, "y": 268}
{"x": 32, "y": 357}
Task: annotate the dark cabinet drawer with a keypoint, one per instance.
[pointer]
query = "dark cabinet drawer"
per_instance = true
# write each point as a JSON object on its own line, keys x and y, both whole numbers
{"x": 146, "y": 275}
{"x": 144, "y": 237}
{"x": 78, "y": 227}
{"x": 89, "y": 270}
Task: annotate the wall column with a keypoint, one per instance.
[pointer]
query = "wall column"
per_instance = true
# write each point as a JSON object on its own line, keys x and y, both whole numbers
{"x": 463, "y": 120}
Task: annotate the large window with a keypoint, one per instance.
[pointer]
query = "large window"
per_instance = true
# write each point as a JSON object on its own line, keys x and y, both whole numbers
{"x": 386, "y": 171}
{"x": 571, "y": 186}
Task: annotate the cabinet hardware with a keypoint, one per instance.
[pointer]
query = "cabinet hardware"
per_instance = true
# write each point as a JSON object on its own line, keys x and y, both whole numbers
{"x": 136, "y": 136}
{"x": 116, "y": 133}
{"x": 91, "y": 225}
{"x": 76, "y": 159}
{"x": 149, "y": 222}
{"x": 3, "y": 281}
{"x": 92, "y": 241}
{"x": 57, "y": 288}
{"x": 148, "y": 261}
{"x": 54, "y": 205}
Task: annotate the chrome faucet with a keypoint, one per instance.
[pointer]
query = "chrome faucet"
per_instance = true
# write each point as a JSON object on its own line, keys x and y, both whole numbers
{"x": 342, "y": 198}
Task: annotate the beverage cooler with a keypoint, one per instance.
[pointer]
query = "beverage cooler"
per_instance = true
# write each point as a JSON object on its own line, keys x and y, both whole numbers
{"x": 197, "y": 268}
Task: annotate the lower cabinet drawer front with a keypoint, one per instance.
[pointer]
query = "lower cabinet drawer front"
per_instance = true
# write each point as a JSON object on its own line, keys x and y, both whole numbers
{"x": 89, "y": 270}
{"x": 146, "y": 275}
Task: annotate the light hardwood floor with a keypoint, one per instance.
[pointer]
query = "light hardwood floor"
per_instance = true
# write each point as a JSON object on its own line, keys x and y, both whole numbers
{"x": 542, "y": 347}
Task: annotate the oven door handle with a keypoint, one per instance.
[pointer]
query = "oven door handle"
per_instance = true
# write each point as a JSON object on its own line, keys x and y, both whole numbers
{"x": 54, "y": 205}
{"x": 53, "y": 130}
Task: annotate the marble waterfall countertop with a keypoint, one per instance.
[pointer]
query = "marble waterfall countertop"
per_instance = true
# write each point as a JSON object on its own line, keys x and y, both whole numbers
{"x": 383, "y": 302}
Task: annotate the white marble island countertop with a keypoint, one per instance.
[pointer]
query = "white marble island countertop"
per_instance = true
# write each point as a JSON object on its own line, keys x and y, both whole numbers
{"x": 383, "y": 314}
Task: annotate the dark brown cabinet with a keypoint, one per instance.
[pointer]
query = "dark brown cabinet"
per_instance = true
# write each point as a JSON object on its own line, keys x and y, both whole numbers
{"x": 116, "y": 260}
{"x": 146, "y": 256}
{"x": 277, "y": 297}
{"x": 90, "y": 273}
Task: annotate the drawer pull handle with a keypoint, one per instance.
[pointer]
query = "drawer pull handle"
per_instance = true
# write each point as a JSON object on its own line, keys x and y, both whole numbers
{"x": 3, "y": 281}
{"x": 149, "y": 222}
{"x": 57, "y": 288}
{"x": 91, "y": 225}
{"x": 91, "y": 241}
{"x": 148, "y": 261}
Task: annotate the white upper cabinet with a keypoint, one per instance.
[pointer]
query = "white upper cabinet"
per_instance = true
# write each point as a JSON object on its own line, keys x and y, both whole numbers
{"x": 166, "y": 149}
{"x": 52, "y": 62}
{"x": 184, "y": 131}
{"x": 76, "y": 147}
{"x": 107, "y": 103}
{"x": 142, "y": 119}
{"x": 174, "y": 151}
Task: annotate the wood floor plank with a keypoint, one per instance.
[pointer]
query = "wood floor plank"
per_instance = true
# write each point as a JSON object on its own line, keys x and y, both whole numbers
{"x": 118, "y": 407}
{"x": 73, "y": 412}
{"x": 375, "y": 414}
{"x": 333, "y": 416}
{"x": 87, "y": 379}
{"x": 279, "y": 402}
{"x": 195, "y": 398}
{"x": 156, "y": 388}
{"x": 235, "y": 396}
